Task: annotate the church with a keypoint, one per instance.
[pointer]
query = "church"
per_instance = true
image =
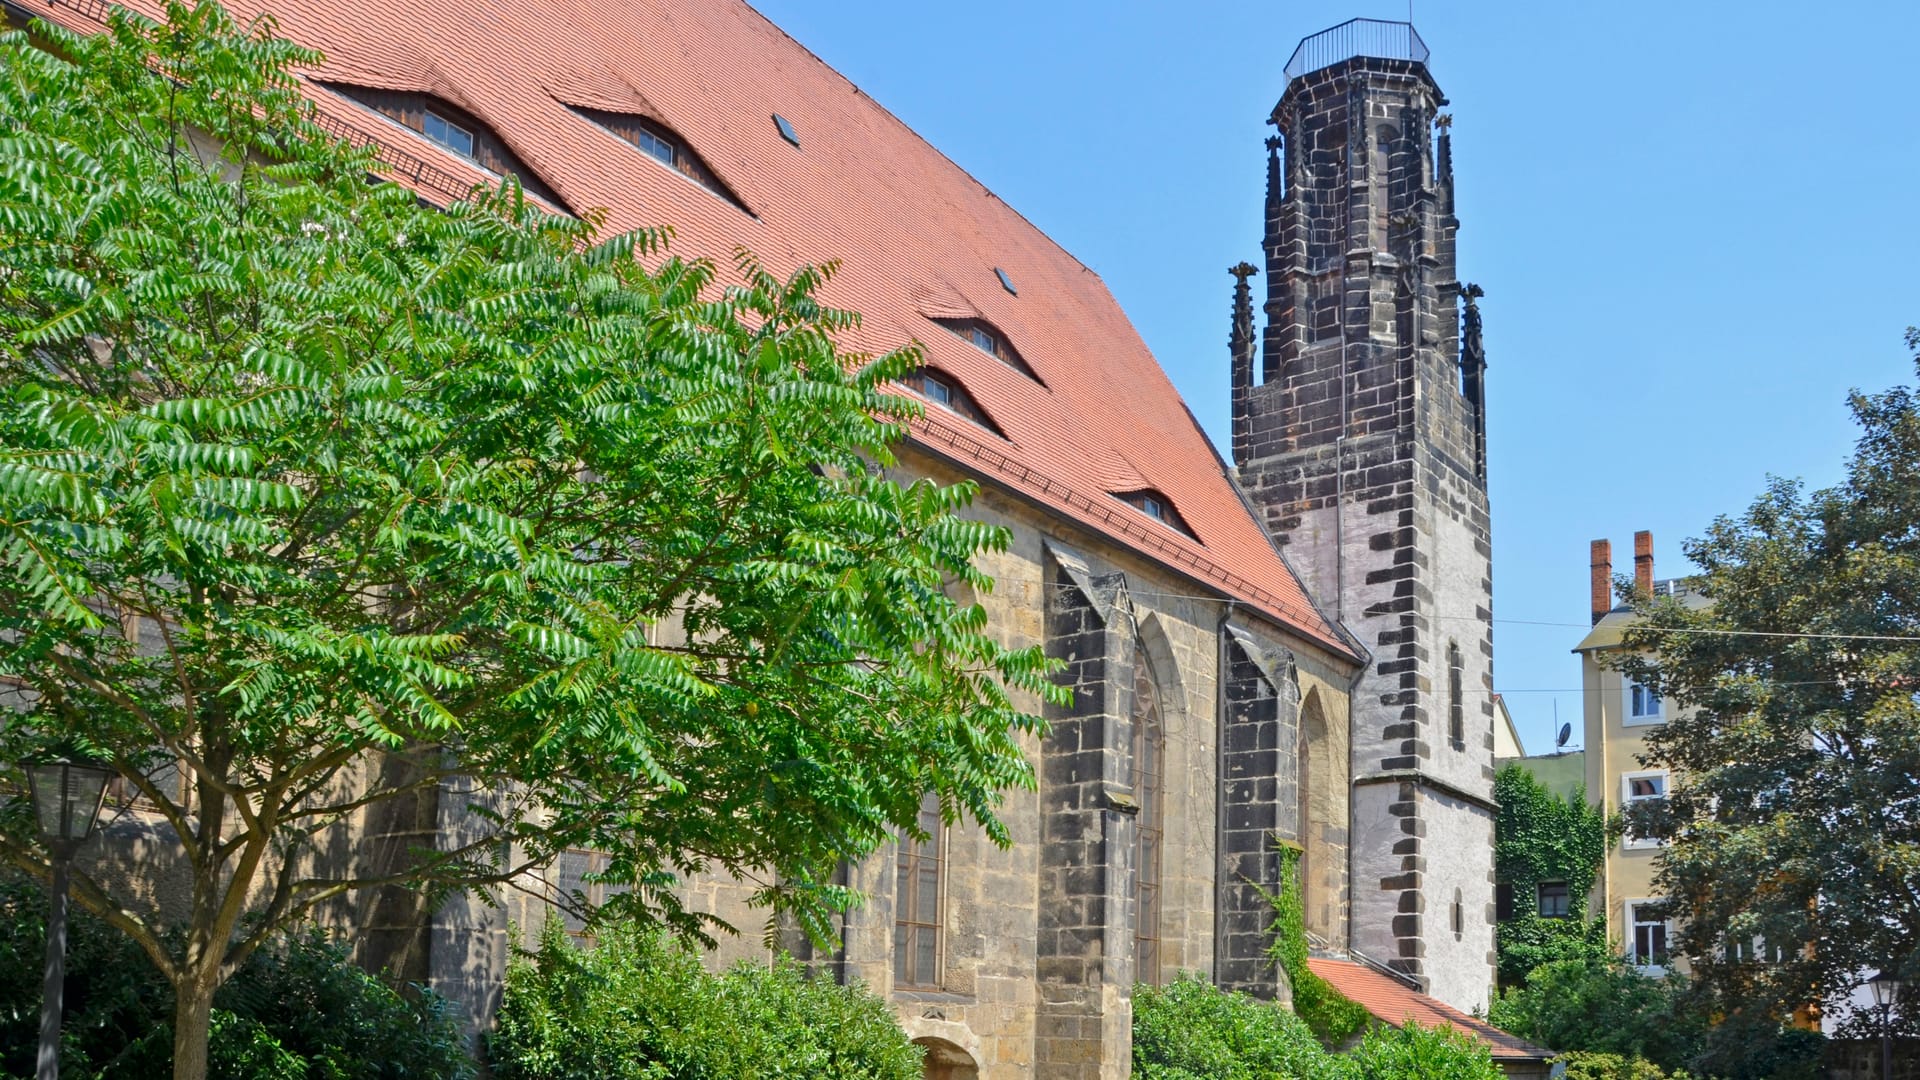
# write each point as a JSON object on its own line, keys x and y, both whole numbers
{"x": 1286, "y": 645}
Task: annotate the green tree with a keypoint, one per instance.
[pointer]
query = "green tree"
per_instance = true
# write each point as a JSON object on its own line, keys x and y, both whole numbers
{"x": 327, "y": 500}
{"x": 1602, "y": 1007}
{"x": 1540, "y": 836}
{"x": 1793, "y": 855}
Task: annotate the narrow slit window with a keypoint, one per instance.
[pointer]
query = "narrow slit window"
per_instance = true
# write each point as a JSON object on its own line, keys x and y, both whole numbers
{"x": 1456, "y": 698}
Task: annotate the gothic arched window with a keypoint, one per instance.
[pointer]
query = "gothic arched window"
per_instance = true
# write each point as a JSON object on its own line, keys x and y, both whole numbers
{"x": 917, "y": 909}
{"x": 1456, "y": 705}
{"x": 1149, "y": 777}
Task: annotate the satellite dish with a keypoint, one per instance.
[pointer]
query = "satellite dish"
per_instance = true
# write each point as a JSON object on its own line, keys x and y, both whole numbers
{"x": 1566, "y": 732}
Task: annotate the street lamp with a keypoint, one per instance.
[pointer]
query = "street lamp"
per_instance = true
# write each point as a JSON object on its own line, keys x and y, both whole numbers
{"x": 1886, "y": 994}
{"x": 66, "y": 800}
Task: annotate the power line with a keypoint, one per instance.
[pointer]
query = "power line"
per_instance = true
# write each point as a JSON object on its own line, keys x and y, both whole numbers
{"x": 1807, "y": 634}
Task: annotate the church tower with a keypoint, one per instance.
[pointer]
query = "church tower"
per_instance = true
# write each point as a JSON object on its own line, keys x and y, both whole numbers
{"x": 1359, "y": 431}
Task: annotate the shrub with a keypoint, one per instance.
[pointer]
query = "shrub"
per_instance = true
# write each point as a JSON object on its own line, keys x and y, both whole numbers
{"x": 296, "y": 1010}
{"x": 639, "y": 1006}
{"x": 1583, "y": 1065}
{"x": 1420, "y": 1053}
{"x": 1602, "y": 1007}
{"x": 1191, "y": 1030}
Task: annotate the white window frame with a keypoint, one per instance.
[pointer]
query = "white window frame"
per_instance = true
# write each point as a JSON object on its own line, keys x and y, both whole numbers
{"x": 1627, "y": 799}
{"x": 1627, "y": 716}
{"x": 1631, "y": 922}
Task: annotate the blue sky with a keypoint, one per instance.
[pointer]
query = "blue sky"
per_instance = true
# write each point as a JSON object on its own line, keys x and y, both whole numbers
{"x": 1696, "y": 225}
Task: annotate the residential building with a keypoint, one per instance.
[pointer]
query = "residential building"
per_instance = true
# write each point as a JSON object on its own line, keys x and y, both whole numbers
{"x": 1256, "y": 649}
{"x": 1619, "y": 714}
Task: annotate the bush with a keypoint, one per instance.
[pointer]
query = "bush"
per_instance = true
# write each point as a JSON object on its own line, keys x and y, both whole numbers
{"x": 1582, "y": 1065}
{"x": 1602, "y": 1007}
{"x": 1190, "y": 1030}
{"x": 297, "y": 1010}
{"x": 1420, "y": 1053}
{"x": 641, "y": 1007}
{"x": 1529, "y": 941}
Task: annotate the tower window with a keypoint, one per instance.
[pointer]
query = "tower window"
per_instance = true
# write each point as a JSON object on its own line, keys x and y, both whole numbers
{"x": 1156, "y": 506}
{"x": 988, "y": 339}
{"x": 663, "y": 145}
{"x": 1456, "y": 703}
{"x": 447, "y": 133}
{"x": 1459, "y": 914}
{"x": 917, "y": 920}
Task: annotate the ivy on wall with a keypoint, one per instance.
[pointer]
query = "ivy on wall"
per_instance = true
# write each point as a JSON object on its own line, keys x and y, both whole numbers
{"x": 1333, "y": 1016}
{"x": 1541, "y": 837}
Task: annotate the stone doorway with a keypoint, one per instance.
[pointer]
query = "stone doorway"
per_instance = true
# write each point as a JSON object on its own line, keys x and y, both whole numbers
{"x": 946, "y": 1061}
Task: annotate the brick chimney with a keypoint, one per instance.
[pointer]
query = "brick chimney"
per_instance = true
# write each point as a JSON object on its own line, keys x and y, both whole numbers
{"x": 1602, "y": 579}
{"x": 1643, "y": 563}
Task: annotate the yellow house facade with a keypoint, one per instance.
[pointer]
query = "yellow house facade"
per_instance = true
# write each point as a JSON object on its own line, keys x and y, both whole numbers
{"x": 1619, "y": 715}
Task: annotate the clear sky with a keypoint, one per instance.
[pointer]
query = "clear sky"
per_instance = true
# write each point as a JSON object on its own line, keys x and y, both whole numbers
{"x": 1695, "y": 223}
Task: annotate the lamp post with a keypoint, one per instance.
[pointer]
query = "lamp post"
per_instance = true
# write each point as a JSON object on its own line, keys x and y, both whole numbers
{"x": 1886, "y": 993}
{"x": 66, "y": 800}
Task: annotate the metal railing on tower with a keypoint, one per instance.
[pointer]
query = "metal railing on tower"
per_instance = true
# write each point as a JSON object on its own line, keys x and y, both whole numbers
{"x": 1356, "y": 37}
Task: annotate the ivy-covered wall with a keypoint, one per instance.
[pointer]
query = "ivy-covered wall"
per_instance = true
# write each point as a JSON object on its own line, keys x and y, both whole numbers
{"x": 1541, "y": 837}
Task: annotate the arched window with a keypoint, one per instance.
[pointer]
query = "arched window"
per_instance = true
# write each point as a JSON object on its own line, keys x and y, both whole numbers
{"x": 1149, "y": 778}
{"x": 1459, "y": 914}
{"x": 1456, "y": 704}
{"x": 916, "y": 902}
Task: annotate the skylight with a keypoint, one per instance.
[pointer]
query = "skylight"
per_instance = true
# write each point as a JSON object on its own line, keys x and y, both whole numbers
{"x": 786, "y": 129}
{"x": 1005, "y": 281}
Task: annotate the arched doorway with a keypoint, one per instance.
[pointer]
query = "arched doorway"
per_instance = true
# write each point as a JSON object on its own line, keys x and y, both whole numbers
{"x": 946, "y": 1061}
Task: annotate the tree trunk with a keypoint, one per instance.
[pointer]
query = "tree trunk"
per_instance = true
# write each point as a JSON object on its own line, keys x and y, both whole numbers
{"x": 192, "y": 1016}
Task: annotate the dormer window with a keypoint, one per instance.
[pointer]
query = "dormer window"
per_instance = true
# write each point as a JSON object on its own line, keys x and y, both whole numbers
{"x": 447, "y": 133}
{"x": 988, "y": 339}
{"x": 945, "y": 391}
{"x": 1156, "y": 506}
{"x": 452, "y": 129}
{"x": 663, "y": 145}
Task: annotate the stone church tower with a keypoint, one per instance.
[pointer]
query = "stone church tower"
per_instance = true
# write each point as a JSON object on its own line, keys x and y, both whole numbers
{"x": 1362, "y": 441}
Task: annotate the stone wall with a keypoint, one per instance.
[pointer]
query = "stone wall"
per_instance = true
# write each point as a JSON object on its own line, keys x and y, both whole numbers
{"x": 1038, "y": 945}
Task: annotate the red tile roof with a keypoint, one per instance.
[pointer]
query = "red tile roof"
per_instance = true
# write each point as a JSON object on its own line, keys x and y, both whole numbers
{"x": 1393, "y": 1002}
{"x": 918, "y": 237}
